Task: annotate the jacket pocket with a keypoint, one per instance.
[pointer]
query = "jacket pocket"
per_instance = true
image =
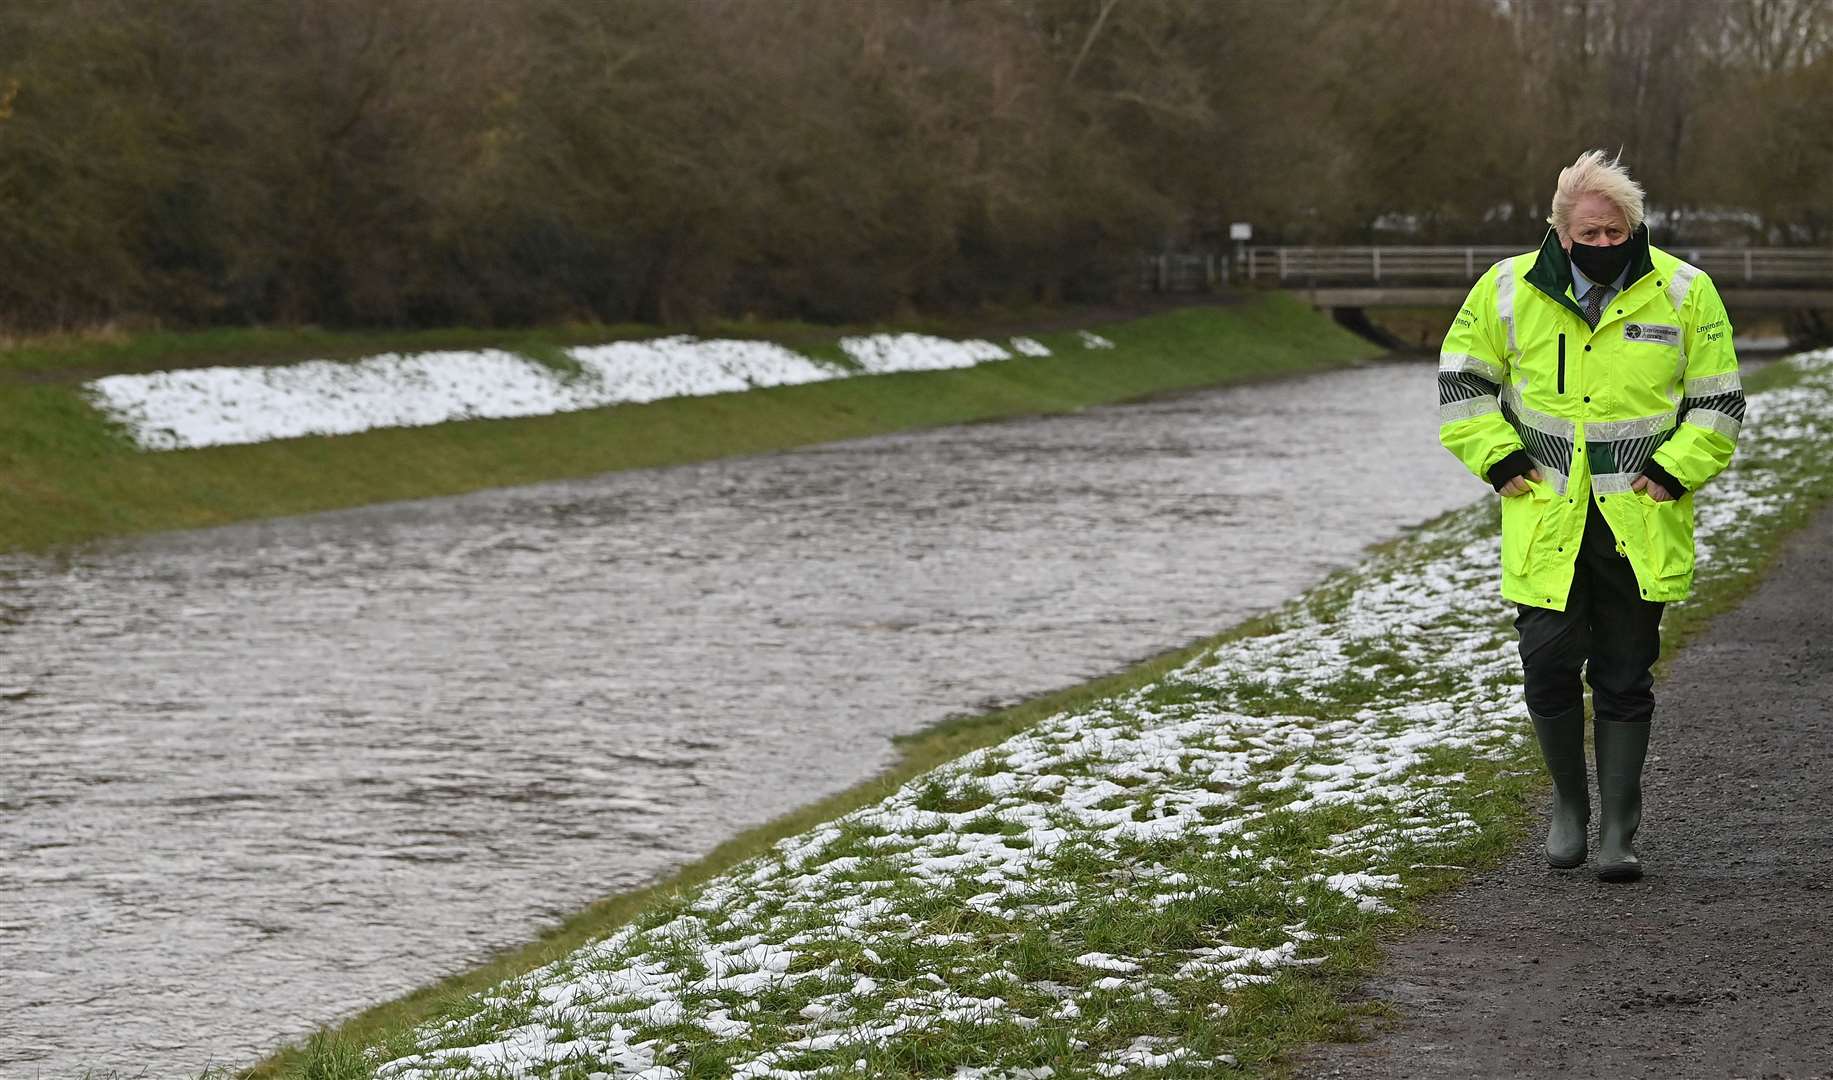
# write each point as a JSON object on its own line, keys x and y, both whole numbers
{"x": 1522, "y": 519}
{"x": 1670, "y": 534}
{"x": 1562, "y": 363}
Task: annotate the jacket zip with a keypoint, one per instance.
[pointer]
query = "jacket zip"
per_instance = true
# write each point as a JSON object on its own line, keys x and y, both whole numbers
{"x": 1562, "y": 363}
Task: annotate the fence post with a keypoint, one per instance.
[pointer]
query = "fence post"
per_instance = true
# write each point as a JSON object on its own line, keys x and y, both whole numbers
{"x": 1375, "y": 257}
{"x": 1470, "y": 262}
{"x": 1282, "y": 264}
{"x": 1164, "y": 273}
{"x": 1253, "y": 267}
{"x": 1747, "y": 277}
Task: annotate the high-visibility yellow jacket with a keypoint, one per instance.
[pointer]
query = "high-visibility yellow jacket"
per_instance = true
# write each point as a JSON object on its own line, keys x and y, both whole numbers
{"x": 1653, "y": 389}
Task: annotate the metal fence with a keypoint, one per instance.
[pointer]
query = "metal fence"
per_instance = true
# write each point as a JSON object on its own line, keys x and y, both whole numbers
{"x": 1172, "y": 272}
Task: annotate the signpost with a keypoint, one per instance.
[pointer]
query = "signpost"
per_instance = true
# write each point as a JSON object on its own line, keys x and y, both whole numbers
{"x": 1240, "y": 232}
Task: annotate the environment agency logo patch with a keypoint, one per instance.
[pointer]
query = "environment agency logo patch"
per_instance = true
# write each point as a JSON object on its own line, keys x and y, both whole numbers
{"x": 1653, "y": 333}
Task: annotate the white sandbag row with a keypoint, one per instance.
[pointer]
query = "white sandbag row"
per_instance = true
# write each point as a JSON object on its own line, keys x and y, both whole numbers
{"x": 220, "y": 406}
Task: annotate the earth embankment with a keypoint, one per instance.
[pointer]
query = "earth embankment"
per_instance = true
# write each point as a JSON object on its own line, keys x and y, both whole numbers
{"x": 68, "y": 475}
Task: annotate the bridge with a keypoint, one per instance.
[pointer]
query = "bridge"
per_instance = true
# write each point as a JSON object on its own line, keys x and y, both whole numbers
{"x": 1360, "y": 277}
{"x": 1381, "y": 276}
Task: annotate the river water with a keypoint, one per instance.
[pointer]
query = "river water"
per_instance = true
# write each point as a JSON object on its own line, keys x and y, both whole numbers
{"x": 254, "y": 778}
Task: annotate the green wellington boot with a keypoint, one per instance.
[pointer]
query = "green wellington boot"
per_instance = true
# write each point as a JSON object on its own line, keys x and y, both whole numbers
{"x": 1622, "y": 746}
{"x": 1562, "y": 744}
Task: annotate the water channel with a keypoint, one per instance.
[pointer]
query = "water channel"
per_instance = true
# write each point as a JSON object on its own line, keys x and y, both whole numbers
{"x": 254, "y": 778}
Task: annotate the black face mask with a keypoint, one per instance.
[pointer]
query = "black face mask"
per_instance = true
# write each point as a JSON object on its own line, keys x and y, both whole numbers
{"x": 1602, "y": 264}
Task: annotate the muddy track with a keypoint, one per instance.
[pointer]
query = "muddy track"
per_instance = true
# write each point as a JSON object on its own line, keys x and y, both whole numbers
{"x": 1719, "y": 963}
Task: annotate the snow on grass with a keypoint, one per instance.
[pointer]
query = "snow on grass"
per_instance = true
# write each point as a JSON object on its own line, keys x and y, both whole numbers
{"x": 1109, "y": 890}
{"x": 881, "y": 353}
{"x": 218, "y": 406}
{"x": 637, "y": 371}
{"x": 170, "y": 410}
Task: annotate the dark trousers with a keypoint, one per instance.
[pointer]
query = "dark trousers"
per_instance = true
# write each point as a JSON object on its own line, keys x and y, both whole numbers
{"x": 1607, "y": 630}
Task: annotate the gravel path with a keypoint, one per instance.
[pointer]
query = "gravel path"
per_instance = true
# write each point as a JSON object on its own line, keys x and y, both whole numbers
{"x": 1718, "y": 962}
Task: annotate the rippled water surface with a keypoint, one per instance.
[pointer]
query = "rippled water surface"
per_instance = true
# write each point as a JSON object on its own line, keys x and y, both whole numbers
{"x": 254, "y": 778}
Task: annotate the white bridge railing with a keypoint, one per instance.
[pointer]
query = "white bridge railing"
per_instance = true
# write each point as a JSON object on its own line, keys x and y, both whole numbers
{"x": 1300, "y": 266}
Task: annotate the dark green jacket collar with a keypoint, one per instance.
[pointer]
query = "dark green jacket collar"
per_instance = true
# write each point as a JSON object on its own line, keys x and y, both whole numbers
{"x": 1552, "y": 272}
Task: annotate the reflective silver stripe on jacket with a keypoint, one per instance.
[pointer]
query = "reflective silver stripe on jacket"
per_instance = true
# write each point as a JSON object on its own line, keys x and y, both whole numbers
{"x": 1616, "y": 483}
{"x": 1707, "y": 385}
{"x": 1489, "y": 369}
{"x": 1712, "y": 420}
{"x": 1453, "y": 411}
{"x": 1639, "y": 428}
{"x": 1678, "y": 286}
{"x": 1505, "y": 301}
{"x": 1534, "y": 418}
{"x": 1681, "y": 283}
{"x": 1552, "y": 477}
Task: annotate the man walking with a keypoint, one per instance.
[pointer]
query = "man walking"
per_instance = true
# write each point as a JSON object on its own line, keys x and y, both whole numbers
{"x": 1594, "y": 385}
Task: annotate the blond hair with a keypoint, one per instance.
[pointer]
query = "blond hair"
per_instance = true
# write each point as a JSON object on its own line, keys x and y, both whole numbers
{"x": 1593, "y": 174}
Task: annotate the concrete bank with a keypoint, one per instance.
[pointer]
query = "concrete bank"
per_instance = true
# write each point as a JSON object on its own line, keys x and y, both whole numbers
{"x": 1715, "y": 964}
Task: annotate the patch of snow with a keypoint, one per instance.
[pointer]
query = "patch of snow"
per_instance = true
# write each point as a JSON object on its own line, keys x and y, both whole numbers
{"x": 881, "y": 353}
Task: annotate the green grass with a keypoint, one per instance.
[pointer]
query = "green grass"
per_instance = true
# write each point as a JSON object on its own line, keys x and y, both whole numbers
{"x": 67, "y": 476}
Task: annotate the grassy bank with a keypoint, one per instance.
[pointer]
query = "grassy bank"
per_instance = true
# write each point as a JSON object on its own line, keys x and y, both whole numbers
{"x": 66, "y": 475}
{"x": 1170, "y": 871}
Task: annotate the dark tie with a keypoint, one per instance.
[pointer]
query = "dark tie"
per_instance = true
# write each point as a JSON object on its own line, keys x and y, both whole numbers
{"x": 1594, "y": 305}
